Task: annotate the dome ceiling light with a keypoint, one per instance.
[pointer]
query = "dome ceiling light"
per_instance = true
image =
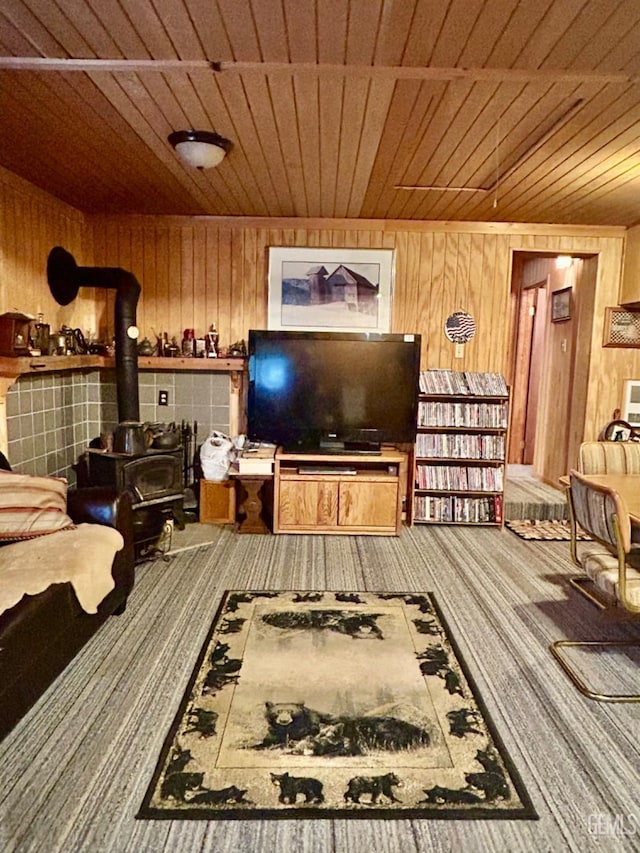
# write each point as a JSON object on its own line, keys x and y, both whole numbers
{"x": 201, "y": 149}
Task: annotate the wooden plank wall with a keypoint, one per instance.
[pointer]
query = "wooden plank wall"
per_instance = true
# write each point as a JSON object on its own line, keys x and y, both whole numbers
{"x": 198, "y": 271}
{"x": 195, "y": 271}
{"x": 31, "y": 223}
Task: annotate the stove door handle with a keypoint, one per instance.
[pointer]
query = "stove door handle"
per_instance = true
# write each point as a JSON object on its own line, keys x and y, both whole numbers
{"x": 137, "y": 491}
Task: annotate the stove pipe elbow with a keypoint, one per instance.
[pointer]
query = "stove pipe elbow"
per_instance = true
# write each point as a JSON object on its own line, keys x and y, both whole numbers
{"x": 65, "y": 278}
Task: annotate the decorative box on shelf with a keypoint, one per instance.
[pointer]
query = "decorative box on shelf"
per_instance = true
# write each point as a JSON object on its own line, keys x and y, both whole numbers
{"x": 14, "y": 334}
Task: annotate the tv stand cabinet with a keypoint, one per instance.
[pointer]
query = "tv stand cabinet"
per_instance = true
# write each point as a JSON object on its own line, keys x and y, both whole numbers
{"x": 344, "y": 494}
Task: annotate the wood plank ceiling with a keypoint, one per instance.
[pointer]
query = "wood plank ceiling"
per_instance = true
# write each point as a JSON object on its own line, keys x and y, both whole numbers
{"x": 497, "y": 110}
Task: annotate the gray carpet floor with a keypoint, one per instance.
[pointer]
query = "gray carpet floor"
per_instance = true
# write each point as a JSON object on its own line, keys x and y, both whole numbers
{"x": 75, "y": 769}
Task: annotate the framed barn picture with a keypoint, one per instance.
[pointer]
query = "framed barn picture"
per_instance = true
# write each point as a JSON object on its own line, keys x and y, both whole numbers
{"x": 337, "y": 290}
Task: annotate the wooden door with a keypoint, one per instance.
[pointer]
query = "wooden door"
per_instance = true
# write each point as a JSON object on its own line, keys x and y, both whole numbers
{"x": 535, "y": 373}
{"x": 520, "y": 390}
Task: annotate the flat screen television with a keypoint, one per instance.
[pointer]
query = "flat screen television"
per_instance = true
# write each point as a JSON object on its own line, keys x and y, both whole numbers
{"x": 332, "y": 391}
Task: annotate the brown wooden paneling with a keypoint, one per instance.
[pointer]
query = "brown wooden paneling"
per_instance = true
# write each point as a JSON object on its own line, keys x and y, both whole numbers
{"x": 438, "y": 269}
{"x": 195, "y": 271}
{"x": 31, "y": 224}
{"x": 204, "y": 271}
{"x": 630, "y": 285}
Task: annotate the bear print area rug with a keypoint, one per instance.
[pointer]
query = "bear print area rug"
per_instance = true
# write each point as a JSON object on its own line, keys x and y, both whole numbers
{"x": 326, "y": 704}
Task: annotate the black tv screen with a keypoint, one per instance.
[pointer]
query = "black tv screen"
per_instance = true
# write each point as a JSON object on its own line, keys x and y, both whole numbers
{"x": 332, "y": 391}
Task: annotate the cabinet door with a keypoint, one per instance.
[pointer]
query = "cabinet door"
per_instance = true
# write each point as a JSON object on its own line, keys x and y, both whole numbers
{"x": 368, "y": 504}
{"x": 308, "y": 503}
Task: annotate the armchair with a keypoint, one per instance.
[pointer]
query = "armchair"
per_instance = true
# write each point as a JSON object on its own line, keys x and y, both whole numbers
{"x": 610, "y": 566}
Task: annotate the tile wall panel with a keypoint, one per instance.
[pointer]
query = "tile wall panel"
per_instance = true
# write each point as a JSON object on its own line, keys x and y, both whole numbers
{"x": 51, "y": 418}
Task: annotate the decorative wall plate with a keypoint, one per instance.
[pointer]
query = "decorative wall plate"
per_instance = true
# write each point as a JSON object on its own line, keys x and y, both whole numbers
{"x": 621, "y": 328}
{"x": 460, "y": 327}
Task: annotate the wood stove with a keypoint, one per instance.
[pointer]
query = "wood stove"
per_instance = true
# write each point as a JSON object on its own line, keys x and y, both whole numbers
{"x": 155, "y": 477}
{"x": 155, "y": 481}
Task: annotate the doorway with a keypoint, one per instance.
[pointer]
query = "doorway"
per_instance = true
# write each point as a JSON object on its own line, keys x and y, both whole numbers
{"x": 549, "y": 357}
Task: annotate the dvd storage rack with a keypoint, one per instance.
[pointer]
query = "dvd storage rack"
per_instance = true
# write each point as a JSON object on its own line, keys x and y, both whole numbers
{"x": 460, "y": 449}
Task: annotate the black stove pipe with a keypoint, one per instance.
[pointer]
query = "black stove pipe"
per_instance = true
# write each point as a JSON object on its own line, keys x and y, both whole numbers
{"x": 66, "y": 277}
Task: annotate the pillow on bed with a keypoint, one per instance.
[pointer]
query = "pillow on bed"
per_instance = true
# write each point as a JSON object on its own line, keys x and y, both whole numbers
{"x": 31, "y": 506}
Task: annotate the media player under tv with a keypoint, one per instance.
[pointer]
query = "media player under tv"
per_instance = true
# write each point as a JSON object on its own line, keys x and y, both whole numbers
{"x": 326, "y": 469}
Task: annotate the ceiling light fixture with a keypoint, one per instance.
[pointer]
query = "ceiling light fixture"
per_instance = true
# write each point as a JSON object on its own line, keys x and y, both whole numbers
{"x": 200, "y": 149}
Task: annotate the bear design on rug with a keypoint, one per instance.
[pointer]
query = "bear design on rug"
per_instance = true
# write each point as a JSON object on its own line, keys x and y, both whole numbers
{"x": 291, "y": 722}
{"x": 294, "y": 728}
{"x": 435, "y": 661}
{"x": 202, "y": 721}
{"x": 209, "y": 797}
{"x": 489, "y": 786}
{"x": 358, "y": 626}
{"x": 175, "y": 785}
{"x": 186, "y": 787}
{"x": 291, "y": 786}
{"x": 374, "y": 786}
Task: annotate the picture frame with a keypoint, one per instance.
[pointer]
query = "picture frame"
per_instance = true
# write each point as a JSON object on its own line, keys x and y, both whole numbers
{"x": 561, "y": 305}
{"x": 630, "y": 410}
{"x": 621, "y": 328}
{"x": 337, "y": 290}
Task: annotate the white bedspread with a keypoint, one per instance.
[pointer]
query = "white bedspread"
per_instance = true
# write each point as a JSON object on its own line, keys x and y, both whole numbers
{"x": 82, "y": 556}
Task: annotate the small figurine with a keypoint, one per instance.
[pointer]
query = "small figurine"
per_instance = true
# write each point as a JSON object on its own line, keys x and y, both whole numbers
{"x": 212, "y": 341}
{"x": 238, "y": 349}
{"x": 188, "y": 343}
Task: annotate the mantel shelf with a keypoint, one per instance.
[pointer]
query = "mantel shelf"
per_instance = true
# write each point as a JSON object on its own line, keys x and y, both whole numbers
{"x": 213, "y": 365}
{"x": 12, "y": 368}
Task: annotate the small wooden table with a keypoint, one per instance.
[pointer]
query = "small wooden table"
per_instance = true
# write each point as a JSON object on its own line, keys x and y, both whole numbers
{"x": 251, "y": 501}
